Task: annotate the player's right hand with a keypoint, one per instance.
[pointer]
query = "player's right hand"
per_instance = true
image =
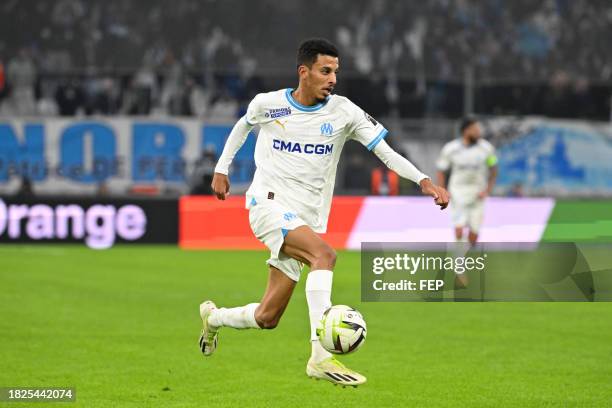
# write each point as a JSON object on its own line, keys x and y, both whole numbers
{"x": 439, "y": 194}
{"x": 220, "y": 185}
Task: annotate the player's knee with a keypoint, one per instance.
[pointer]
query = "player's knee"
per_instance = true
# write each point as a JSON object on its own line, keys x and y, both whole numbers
{"x": 270, "y": 324}
{"x": 267, "y": 320}
{"x": 325, "y": 258}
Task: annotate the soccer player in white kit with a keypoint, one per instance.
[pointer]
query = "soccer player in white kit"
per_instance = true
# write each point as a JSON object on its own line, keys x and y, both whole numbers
{"x": 302, "y": 132}
{"x": 473, "y": 169}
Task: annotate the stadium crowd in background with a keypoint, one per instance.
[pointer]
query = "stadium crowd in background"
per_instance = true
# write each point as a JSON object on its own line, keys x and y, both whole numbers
{"x": 403, "y": 58}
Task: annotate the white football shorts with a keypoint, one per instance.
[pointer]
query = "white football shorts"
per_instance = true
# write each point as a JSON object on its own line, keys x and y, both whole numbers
{"x": 270, "y": 222}
{"x": 468, "y": 214}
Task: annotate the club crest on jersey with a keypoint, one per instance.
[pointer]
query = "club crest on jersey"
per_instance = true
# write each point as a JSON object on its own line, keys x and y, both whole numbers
{"x": 307, "y": 148}
{"x": 288, "y": 216}
{"x": 274, "y": 113}
{"x": 327, "y": 129}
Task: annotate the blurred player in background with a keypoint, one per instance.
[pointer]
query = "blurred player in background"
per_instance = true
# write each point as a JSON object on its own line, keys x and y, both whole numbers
{"x": 302, "y": 132}
{"x": 472, "y": 164}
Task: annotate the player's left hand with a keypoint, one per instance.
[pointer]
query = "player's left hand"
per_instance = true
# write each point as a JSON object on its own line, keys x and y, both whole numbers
{"x": 439, "y": 194}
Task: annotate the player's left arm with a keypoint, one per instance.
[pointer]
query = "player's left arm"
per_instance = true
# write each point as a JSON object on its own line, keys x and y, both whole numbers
{"x": 490, "y": 182}
{"x": 404, "y": 168}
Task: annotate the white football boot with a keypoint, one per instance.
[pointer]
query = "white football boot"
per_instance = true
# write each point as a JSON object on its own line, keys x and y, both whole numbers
{"x": 335, "y": 372}
{"x": 209, "y": 336}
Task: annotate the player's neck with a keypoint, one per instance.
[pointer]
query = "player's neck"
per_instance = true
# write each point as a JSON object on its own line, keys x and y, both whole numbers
{"x": 468, "y": 142}
{"x": 303, "y": 98}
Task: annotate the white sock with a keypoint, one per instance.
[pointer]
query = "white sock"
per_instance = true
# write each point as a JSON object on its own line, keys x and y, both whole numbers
{"x": 242, "y": 317}
{"x": 459, "y": 250}
{"x": 318, "y": 296}
{"x": 318, "y": 353}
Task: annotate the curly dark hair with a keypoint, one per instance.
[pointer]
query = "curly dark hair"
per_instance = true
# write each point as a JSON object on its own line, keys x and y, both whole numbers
{"x": 311, "y": 48}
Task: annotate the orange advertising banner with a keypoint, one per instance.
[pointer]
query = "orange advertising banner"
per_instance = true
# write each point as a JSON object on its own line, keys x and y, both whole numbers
{"x": 208, "y": 223}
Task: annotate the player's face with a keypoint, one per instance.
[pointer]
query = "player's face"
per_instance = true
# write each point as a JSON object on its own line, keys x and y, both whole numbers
{"x": 320, "y": 79}
{"x": 473, "y": 132}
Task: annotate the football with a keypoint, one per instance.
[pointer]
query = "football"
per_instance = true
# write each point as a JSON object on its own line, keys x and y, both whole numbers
{"x": 341, "y": 330}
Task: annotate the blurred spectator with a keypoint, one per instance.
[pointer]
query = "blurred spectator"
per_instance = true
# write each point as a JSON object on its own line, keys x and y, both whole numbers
{"x": 21, "y": 77}
{"x": 557, "y": 101}
{"x": 172, "y": 85}
{"x": 203, "y": 172}
{"x": 102, "y": 189}
{"x": 196, "y": 99}
{"x": 46, "y": 105}
{"x": 25, "y": 189}
{"x": 582, "y": 100}
{"x": 70, "y": 97}
{"x": 356, "y": 173}
{"x": 516, "y": 190}
{"x": 102, "y": 96}
{"x": 141, "y": 91}
{"x": 384, "y": 182}
{"x": 224, "y": 107}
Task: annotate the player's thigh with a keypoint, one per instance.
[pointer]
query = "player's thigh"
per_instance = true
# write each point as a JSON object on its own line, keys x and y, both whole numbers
{"x": 458, "y": 215}
{"x": 475, "y": 216}
{"x": 270, "y": 222}
{"x": 307, "y": 246}
{"x": 276, "y": 297}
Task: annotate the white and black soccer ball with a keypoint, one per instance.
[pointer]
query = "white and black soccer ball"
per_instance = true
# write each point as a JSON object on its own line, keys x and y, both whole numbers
{"x": 341, "y": 330}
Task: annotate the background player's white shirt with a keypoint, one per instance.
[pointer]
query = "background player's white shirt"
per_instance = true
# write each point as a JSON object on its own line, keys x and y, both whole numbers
{"x": 469, "y": 166}
{"x": 298, "y": 148}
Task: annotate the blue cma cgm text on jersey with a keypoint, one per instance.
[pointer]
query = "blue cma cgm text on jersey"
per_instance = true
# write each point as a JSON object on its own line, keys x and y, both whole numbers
{"x": 295, "y": 147}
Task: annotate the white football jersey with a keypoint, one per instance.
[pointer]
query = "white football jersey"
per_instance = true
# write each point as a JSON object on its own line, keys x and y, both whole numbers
{"x": 298, "y": 148}
{"x": 469, "y": 166}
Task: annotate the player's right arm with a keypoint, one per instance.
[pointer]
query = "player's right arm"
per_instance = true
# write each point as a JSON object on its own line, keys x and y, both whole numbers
{"x": 407, "y": 170}
{"x": 220, "y": 183}
{"x": 441, "y": 176}
{"x": 370, "y": 133}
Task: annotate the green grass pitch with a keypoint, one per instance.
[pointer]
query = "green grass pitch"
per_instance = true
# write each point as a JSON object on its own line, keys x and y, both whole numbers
{"x": 122, "y": 327}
